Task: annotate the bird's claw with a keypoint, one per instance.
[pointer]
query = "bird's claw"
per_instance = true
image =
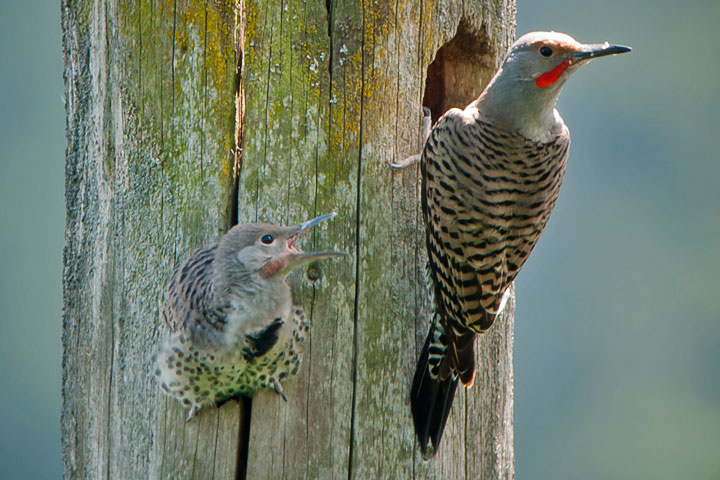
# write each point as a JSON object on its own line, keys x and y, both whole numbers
{"x": 192, "y": 413}
{"x": 413, "y": 159}
{"x": 406, "y": 162}
{"x": 426, "y": 123}
{"x": 278, "y": 388}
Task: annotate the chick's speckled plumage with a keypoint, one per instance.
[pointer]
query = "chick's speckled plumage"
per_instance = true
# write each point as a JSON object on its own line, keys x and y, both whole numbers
{"x": 231, "y": 326}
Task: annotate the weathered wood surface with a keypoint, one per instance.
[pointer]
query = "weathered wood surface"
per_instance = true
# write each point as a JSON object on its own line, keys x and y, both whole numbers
{"x": 331, "y": 97}
{"x": 149, "y": 175}
{"x": 332, "y": 90}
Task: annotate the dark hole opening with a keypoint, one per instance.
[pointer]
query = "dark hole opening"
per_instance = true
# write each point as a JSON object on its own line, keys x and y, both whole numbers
{"x": 461, "y": 69}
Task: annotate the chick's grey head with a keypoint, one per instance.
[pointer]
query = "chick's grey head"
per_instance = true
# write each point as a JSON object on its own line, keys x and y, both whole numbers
{"x": 267, "y": 250}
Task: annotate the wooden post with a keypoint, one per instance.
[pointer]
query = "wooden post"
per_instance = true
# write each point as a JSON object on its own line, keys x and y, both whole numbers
{"x": 184, "y": 116}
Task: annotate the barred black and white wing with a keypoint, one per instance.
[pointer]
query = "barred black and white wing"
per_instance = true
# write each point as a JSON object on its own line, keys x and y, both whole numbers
{"x": 486, "y": 196}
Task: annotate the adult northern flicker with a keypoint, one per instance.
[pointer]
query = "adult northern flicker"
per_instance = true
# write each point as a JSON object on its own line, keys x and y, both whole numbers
{"x": 491, "y": 174}
{"x": 232, "y": 326}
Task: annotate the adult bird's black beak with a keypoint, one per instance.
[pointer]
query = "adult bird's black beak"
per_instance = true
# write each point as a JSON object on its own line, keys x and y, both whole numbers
{"x": 599, "y": 50}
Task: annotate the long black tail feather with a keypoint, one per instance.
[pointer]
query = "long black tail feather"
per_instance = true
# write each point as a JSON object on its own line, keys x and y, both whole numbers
{"x": 431, "y": 397}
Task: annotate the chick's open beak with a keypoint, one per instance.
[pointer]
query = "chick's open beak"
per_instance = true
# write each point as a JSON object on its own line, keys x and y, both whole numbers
{"x": 297, "y": 257}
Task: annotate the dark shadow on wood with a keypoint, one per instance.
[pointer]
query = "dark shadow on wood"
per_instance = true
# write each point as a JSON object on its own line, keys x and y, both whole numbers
{"x": 459, "y": 71}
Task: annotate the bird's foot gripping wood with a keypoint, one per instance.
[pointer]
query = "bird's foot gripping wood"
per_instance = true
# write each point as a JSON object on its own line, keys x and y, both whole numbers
{"x": 413, "y": 159}
{"x": 193, "y": 411}
{"x": 278, "y": 388}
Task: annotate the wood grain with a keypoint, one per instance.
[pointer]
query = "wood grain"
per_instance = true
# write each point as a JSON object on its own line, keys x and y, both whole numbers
{"x": 184, "y": 114}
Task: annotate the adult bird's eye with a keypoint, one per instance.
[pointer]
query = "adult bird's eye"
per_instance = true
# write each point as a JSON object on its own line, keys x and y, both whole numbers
{"x": 267, "y": 239}
{"x": 546, "y": 51}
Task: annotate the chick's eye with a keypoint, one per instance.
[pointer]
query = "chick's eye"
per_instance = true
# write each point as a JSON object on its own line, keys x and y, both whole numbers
{"x": 267, "y": 239}
{"x": 546, "y": 51}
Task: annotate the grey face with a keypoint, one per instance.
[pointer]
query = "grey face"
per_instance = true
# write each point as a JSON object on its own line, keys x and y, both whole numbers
{"x": 270, "y": 250}
{"x": 547, "y": 59}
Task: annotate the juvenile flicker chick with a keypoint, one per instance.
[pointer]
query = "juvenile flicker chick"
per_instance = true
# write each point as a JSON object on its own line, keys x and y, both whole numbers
{"x": 232, "y": 328}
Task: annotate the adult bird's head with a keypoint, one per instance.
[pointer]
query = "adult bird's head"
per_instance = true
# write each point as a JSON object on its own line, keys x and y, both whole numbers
{"x": 267, "y": 249}
{"x": 522, "y": 95}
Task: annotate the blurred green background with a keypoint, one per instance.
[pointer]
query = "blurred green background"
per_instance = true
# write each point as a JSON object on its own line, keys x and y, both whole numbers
{"x": 617, "y": 347}
{"x": 32, "y": 222}
{"x": 617, "y": 354}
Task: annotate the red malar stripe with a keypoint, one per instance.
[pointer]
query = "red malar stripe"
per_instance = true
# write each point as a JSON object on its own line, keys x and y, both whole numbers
{"x": 548, "y": 78}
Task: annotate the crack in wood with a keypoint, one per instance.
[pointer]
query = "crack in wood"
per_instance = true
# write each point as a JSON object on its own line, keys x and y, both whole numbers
{"x": 353, "y": 414}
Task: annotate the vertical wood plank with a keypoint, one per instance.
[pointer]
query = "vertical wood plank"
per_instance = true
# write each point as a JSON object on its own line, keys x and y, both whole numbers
{"x": 149, "y": 175}
{"x": 360, "y": 67}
